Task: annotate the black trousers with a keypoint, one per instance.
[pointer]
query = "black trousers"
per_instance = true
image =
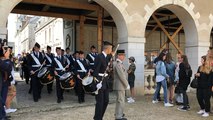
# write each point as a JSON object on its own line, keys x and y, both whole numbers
{"x": 102, "y": 100}
{"x": 36, "y": 87}
{"x": 26, "y": 75}
{"x": 81, "y": 93}
{"x": 203, "y": 97}
{"x": 59, "y": 90}
{"x": 50, "y": 87}
{"x": 185, "y": 97}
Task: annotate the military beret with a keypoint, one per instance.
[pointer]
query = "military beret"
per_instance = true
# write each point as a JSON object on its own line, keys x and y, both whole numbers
{"x": 37, "y": 45}
{"x": 48, "y": 47}
{"x": 92, "y": 47}
{"x": 81, "y": 52}
{"x": 58, "y": 48}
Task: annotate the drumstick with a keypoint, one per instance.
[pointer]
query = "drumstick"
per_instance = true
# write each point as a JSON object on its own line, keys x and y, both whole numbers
{"x": 39, "y": 68}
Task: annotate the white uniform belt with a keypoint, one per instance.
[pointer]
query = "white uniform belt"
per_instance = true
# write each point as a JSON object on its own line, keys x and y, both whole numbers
{"x": 91, "y": 63}
{"x": 48, "y": 65}
{"x": 102, "y": 74}
{"x": 81, "y": 71}
{"x": 36, "y": 65}
{"x": 58, "y": 69}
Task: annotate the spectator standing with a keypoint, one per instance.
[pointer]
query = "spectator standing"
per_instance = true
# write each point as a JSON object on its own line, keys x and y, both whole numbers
{"x": 204, "y": 87}
{"x": 170, "y": 70}
{"x": 161, "y": 77}
{"x": 131, "y": 79}
{"x": 184, "y": 80}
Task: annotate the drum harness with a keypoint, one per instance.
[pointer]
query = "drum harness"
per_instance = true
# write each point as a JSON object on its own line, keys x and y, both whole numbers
{"x": 38, "y": 63}
{"x": 49, "y": 59}
{"x": 60, "y": 67}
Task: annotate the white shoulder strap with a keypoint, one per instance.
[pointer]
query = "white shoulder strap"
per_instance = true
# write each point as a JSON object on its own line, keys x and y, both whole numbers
{"x": 35, "y": 59}
{"x": 82, "y": 66}
{"x": 49, "y": 59}
{"x": 68, "y": 61}
{"x": 59, "y": 64}
{"x": 91, "y": 57}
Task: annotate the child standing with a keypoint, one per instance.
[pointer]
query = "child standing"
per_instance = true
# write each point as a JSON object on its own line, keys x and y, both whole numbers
{"x": 131, "y": 79}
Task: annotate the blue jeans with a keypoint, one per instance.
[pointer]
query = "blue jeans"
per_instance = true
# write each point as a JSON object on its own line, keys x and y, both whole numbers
{"x": 164, "y": 85}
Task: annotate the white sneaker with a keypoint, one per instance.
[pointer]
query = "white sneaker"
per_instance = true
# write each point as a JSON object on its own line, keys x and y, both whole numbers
{"x": 168, "y": 105}
{"x": 154, "y": 101}
{"x": 10, "y": 110}
{"x": 205, "y": 114}
{"x": 131, "y": 100}
{"x": 200, "y": 112}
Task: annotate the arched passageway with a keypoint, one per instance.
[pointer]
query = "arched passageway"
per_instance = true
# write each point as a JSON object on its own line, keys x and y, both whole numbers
{"x": 173, "y": 28}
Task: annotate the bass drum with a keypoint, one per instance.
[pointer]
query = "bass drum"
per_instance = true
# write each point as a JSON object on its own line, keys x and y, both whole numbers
{"x": 89, "y": 84}
{"x": 45, "y": 76}
{"x": 67, "y": 81}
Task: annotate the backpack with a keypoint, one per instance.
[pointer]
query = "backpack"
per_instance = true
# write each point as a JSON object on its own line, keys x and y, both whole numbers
{"x": 188, "y": 72}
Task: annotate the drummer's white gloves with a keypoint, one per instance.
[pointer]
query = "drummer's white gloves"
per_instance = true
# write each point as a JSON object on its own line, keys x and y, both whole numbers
{"x": 99, "y": 85}
{"x": 128, "y": 87}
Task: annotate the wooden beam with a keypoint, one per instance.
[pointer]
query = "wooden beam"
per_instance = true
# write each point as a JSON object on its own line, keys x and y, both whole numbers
{"x": 173, "y": 36}
{"x": 151, "y": 31}
{"x": 82, "y": 19}
{"x": 45, "y": 8}
{"x": 64, "y": 4}
{"x": 174, "y": 28}
{"x": 165, "y": 15}
{"x": 167, "y": 34}
{"x": 47, "y": 14}
{"x": 100, "y": 28}
{"x": 93, "y": 18}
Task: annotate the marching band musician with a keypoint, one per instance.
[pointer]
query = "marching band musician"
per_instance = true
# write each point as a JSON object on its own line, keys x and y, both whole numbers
{"x": 70, "y": 58}
{"x": 49, "y": 63}
{"x": 100, "y": 66}
{"x": 82, "y": 69}
{"x": 120, "y": 84}
{"x": 91, "y": 56}
{"x": 60, "y": 64}
{"x": 35, "y": 62}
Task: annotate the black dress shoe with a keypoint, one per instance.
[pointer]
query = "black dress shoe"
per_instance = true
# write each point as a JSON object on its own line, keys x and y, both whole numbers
{"x": 5, "y": 119}
{"x": 59, "y": 101}
{"x": 62, "y": 98}
{"x": 35, "y": 100}
{"x": 30, "y": 91}
{"x": 8, "y": 117}
{"x": 121, "y": 119}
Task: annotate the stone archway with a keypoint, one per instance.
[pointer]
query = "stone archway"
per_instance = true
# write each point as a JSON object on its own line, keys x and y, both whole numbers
{"x": 190, "y": 23}
{"x": 189, "y": 20}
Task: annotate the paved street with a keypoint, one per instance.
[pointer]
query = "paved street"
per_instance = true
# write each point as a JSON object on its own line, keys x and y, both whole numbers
{"x": 69, "y": 109}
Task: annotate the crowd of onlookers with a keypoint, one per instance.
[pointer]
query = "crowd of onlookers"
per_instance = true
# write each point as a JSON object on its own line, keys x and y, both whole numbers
{"x": 175, "y": 79}
{"x": 7, "y": 82}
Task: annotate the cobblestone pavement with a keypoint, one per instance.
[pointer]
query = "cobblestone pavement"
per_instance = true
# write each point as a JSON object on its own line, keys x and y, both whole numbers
{"x": 69, "y": 109}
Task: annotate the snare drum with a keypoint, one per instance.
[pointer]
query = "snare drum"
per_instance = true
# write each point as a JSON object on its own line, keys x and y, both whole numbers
{"x": 89, "y": 84}
{"x": 67, "y": 81}
{"x": 45, "y": 76}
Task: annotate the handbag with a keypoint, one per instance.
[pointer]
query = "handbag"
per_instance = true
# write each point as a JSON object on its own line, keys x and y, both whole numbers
{"x": 194, "y": 83}
{"x": 177, "y": 90}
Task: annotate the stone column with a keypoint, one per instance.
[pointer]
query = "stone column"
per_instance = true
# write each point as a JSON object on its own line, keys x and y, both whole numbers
{"x": 3, "y": 33}
{"x": 195, "y": 52}
{"x": 135, "y": 47}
